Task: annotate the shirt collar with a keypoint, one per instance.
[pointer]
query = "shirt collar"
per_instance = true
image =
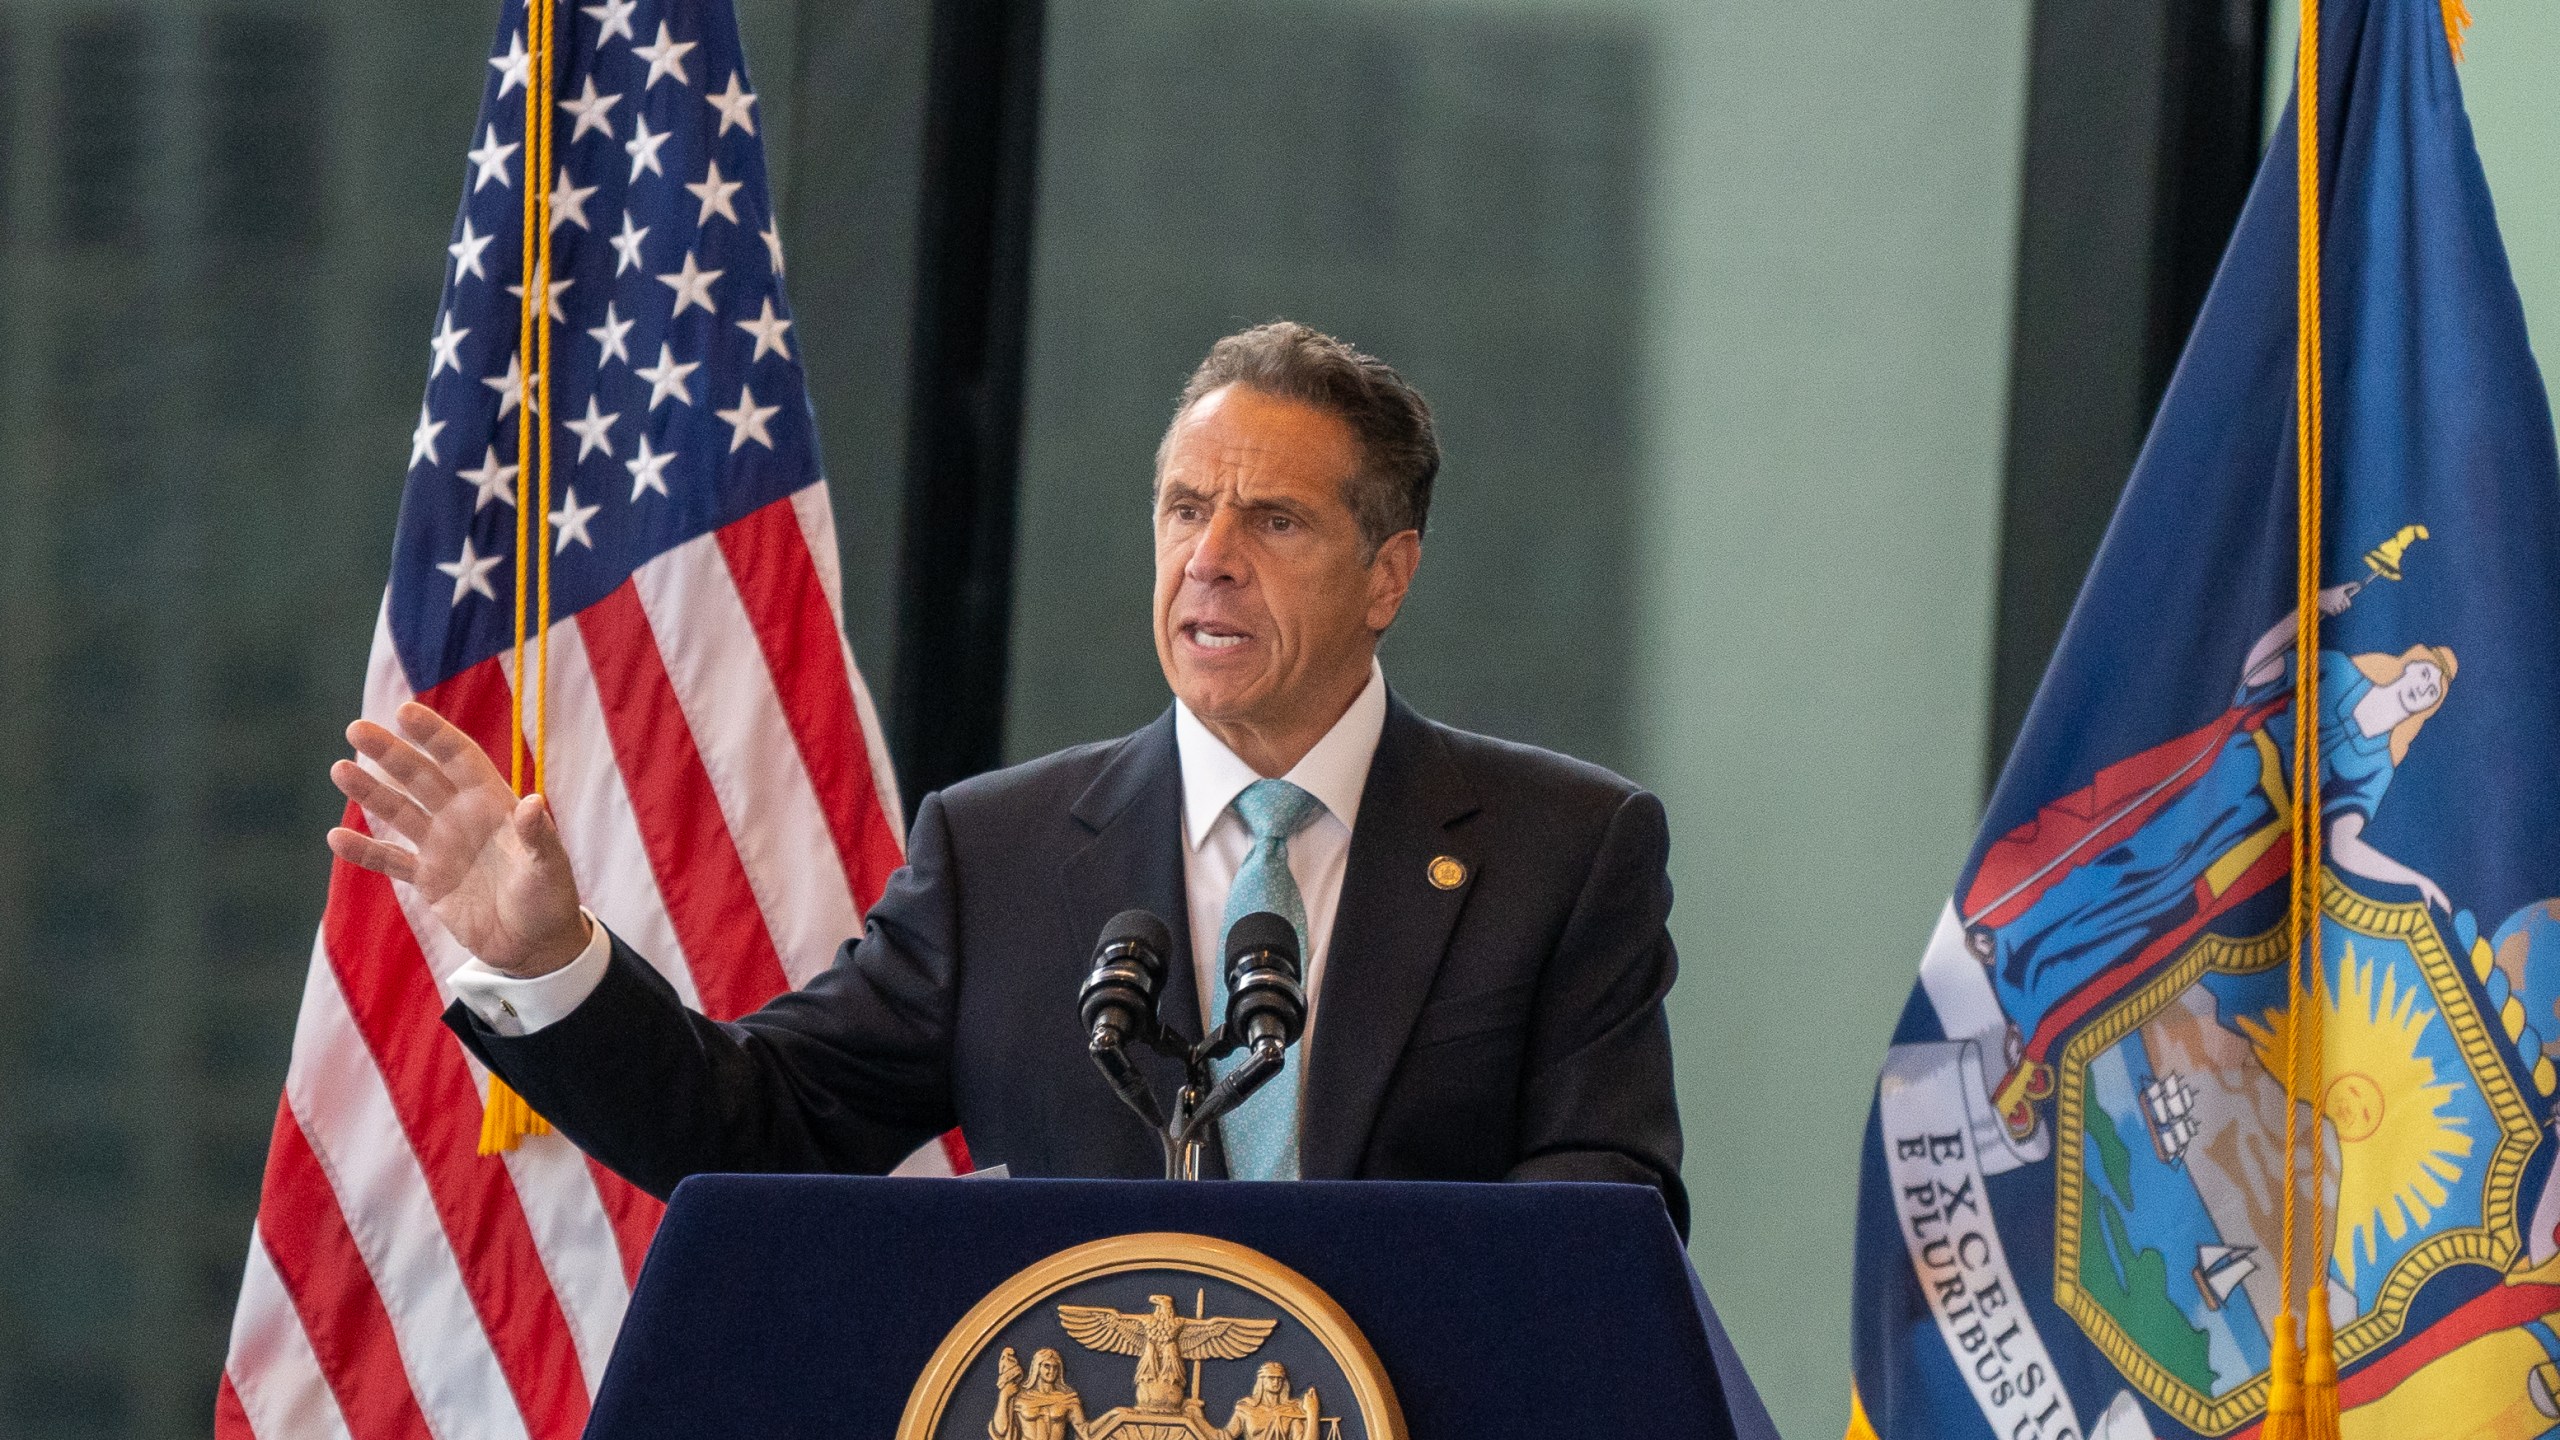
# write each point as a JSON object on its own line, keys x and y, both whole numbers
{"x": 1336, "y": 771}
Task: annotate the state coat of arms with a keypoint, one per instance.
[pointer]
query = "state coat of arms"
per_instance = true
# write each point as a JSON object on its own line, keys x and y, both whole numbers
{"x": 1262, "y": 1354}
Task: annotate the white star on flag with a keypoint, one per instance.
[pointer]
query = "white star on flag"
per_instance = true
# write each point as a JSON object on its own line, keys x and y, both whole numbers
{"x": 471, "y": 572}
{"x": 445, "y": 347}
{"x": 648, "y": 471}
{"x": 610, "y": 335}
{"x": 569, "y": 522}
{"x": 612, "y": 18}
{"x": 736, "y": 106}
{"x": 642, "y": 147}
{"x": 714, "y": 193}
{"x": 467, "y": 250}
{"x": 510, "y": 388}
{"x": 595, "y": 431}
{"x": 422, "y": 441}
{"x": 772, "y": 233}
{"x": 667, "y": 377}
{"x": 589, "y": 108}
{"x": 746, "y": 422}
{"x": 665, "y": 58}
{"x": 514, "y": 67}
{"x": 692, "y": 285}
{"x": 626, "y": 246}
{"x": 569, "y": 204}
{"x": 767, "y": 328}
{"x": 492, "y": 480}
{"x": 558, "y": 289}
{"x": 491, "y": 158}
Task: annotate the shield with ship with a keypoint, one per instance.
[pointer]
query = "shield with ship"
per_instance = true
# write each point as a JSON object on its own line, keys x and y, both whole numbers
{"x": 2170, "y": 1139}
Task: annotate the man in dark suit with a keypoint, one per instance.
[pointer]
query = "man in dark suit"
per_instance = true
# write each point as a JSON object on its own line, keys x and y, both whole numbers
{"x": 1483, "y": 923}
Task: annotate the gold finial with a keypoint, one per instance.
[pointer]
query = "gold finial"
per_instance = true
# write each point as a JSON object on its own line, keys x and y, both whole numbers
{"x": 2384, "y": 559}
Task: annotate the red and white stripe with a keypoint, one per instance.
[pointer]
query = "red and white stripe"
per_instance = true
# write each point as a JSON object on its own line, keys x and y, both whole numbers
{"x": 720, "y": 779}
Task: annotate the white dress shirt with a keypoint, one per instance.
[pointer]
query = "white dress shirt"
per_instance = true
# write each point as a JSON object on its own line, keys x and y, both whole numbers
{"x": 1215, "y": 842}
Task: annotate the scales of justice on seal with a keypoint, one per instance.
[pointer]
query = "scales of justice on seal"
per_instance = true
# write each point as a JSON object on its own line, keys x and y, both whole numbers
{"x": 1302, "y": 1368}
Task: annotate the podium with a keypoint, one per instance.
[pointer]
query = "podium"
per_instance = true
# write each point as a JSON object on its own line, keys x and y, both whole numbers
{"x": 787, "y": 1306}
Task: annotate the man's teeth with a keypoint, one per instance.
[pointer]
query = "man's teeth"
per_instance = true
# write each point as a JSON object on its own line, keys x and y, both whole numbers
{"x": 1216, "y": 642}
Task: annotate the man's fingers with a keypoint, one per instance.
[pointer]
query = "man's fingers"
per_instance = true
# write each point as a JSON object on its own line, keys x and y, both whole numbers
{"x": 381, "y": 798}
{"x": 458, "y": 753}
{"x": 403, "y": 762}
{"x": 536, "y": 828}
{"x": 358, "y": 848}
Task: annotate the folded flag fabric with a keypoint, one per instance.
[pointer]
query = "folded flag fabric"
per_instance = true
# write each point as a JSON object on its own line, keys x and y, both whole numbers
{"x": 2072, "y": 1211}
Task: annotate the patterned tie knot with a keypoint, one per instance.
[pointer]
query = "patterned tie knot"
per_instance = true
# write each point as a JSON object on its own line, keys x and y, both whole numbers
{"x": 1276, "y": 809}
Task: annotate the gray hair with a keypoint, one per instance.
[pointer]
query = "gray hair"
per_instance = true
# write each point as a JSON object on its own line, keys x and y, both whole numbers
{"x": 1389, "y": 419}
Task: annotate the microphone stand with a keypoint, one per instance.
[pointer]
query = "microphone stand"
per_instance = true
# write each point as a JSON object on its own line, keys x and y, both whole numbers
{"x": 1204, "y": 1098}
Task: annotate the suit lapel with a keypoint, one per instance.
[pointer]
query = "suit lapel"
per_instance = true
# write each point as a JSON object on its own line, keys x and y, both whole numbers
{"x": 1390, "y": 930}
{"x": 1134, "y": 860}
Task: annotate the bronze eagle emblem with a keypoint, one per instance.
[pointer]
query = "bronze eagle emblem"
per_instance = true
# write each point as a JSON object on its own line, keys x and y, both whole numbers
{"x": 1163, "y": 1339}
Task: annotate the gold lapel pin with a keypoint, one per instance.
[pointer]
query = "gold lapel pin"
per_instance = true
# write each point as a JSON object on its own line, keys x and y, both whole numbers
{"x": 1448, "y": 872}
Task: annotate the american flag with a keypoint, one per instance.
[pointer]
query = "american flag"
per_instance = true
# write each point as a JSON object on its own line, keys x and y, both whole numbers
{"x": 713, "y": 757}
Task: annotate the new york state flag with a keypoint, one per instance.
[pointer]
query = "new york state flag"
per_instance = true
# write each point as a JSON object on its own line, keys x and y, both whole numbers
{"x": 2073, "y": 1181}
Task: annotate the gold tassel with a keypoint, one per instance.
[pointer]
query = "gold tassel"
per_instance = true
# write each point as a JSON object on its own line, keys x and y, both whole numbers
{"x": 2284, "y": 1389}
{"x": 2457, "y": 18}
{"x": 2320, "y": 1370}
{"x": 507, "y": 1120}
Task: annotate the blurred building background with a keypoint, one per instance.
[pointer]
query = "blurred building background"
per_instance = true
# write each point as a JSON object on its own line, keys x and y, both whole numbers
{"x": 1715, "y": 300}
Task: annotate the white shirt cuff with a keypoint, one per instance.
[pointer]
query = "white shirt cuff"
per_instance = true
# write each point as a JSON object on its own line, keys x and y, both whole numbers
{"x": 519, "y": 1007}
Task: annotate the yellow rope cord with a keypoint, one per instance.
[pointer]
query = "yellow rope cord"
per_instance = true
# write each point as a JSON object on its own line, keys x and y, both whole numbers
{"x": 542, "y": 502}
{"x": 526, "y": 311}
{"x": 505, "y": 1120}
{"x": 2290, "y": 1404}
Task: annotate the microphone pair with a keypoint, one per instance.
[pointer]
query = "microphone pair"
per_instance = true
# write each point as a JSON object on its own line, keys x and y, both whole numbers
{"x": 1266, "y": 999}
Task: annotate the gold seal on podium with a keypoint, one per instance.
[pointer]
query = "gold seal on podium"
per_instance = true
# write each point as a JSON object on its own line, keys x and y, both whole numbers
{"x": 1282, "y": 1356}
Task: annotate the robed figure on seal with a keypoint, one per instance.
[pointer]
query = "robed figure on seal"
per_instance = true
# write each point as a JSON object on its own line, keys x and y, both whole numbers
{"x": 1269, "y": 1412}
{"x": 1041, "y": 1406}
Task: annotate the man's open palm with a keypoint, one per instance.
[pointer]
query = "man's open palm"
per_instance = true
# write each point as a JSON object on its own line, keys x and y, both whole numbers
{"x": 489, "y": 865}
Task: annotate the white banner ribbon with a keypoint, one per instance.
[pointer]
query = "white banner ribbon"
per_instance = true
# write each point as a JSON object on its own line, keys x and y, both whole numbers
{"x": 1940, "y": 1140}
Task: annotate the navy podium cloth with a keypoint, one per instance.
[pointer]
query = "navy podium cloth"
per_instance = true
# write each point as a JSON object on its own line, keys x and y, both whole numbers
{"x": 778, "y": 1306}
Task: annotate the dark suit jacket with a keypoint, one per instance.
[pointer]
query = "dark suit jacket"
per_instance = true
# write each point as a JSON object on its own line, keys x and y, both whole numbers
{"x": 1510, "y": 1028}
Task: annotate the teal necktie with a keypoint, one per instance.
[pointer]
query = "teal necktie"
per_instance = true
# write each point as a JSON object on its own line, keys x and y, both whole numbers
{"x": 1262, "y": 1134}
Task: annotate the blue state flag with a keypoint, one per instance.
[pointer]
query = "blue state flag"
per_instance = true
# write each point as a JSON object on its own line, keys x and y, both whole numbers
{"x": 2072, "y": 1192}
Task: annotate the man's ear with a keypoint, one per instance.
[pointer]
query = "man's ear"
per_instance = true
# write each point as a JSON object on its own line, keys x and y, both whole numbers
{"x": 1391, "y": 575}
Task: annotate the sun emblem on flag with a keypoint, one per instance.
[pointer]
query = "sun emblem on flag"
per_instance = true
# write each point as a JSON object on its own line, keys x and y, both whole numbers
{"x": 2403, "y": 1147}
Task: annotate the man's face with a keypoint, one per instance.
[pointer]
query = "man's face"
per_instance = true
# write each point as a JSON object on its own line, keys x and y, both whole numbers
{"x": 1266, "y": 611}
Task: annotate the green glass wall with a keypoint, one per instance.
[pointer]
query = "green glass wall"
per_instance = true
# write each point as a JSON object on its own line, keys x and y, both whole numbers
{"x": 1713, "y": 297}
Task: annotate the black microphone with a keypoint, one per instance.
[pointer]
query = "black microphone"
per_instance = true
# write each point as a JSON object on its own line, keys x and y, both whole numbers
{"x": 1118, "y": 1001}
{"x": 1265, "y": 1002}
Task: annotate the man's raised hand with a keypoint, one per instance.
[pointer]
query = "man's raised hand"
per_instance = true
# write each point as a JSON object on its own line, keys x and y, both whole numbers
{"x": 490, "y": 865}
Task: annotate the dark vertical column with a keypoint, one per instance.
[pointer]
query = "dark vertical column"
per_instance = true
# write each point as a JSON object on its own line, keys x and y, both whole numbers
{"x": 2143, "y": 131}
{"x": 973, "y": 258}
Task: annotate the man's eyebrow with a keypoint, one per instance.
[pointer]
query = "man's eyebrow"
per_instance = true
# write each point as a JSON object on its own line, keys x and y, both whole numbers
{"x": 1173, "y": 492}
{"x": 1276, "y": 505}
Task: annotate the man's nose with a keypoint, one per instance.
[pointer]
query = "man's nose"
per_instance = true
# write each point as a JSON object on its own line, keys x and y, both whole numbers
{"x": 1218, "y": 553}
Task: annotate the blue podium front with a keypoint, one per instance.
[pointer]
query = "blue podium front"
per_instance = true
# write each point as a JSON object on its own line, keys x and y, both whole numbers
{"x": 785, "y": 1306}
